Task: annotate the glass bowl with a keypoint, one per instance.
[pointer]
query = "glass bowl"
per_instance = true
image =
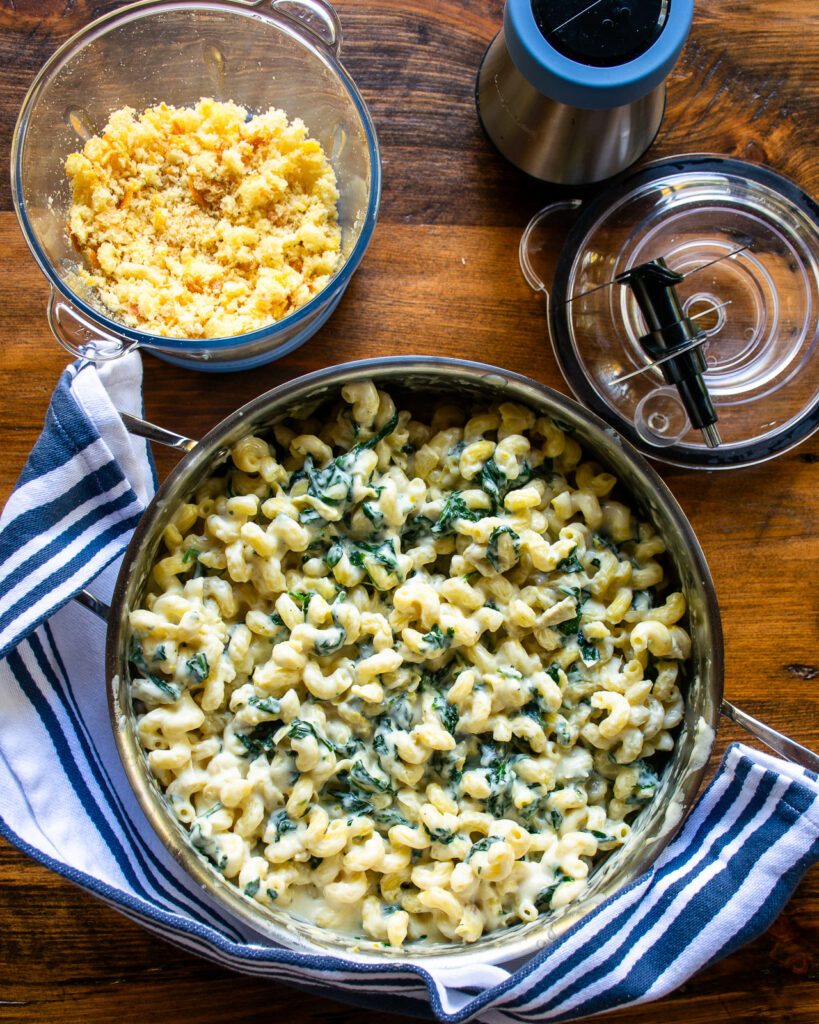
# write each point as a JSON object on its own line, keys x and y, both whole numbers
{"x": 282, "y": 53}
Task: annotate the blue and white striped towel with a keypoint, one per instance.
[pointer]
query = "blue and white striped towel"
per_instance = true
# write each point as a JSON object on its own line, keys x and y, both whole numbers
{"x": 64, "y": 798}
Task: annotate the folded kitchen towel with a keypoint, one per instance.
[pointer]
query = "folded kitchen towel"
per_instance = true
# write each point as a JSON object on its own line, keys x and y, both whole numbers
{"x": 65, "y": 800}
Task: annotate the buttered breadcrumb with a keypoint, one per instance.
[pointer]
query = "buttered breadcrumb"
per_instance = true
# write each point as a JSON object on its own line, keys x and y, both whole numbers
{"x": 203, "y": 222}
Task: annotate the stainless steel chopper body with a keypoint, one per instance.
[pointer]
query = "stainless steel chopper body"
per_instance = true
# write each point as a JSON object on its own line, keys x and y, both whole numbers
{"x": 554, "y": 141}
{"x": 565, "y": 120}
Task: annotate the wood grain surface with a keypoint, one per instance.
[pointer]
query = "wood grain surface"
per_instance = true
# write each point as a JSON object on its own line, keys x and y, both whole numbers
{"x": 441, "y": 277}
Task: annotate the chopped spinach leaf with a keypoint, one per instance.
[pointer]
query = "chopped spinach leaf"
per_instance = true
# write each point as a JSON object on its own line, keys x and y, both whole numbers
{"x": 363, "y": 555}
{"x": 570, "y": 563}
{"x": 302, "y": 598}
{"x": 400, "y": 712}
{"x": 648, "y": 778}
{"x": 198, "y": 667}
{"x": 383, "y": 433}
{"x": 208, "y": 847}
{"x": 331, "y": 485}
{"x": 571, "y": 626}
{"x": 438, "y": 640}
{"x": 309, "y": 517}
{"x": 362, "y": 778}
{"x": 136, "y": 655}
{"x": 299, "y": 730}
{"x": 493, "y": 550}
{"x": 482, "y": 845}
{"x": 334, "y": 555}
{"x": 415, "y": 529}
{"x": 498, "y": 771}
{"x": 435, "y": 680}
{"x": 454, "y": 508}
{"x": 588, "y": 650}
{"x": 330, "y": 640}
{"x": 441, "y": 835}
{"x": 563, "y": 732}
{"x": 171, "y": 690}
{"x": 282, "y": 823}
{"x": 252, "y": 888}
{"x": 543, "y": 900}
{"x": 353, "y": 803}
{"x": 373, "y": 513}
{"x": 499, "y": 803}
{"x": 496, "y": 483}
{"x": 389, "y": 817}
{"x": 448, "y": 712}
{"x": 605, "y": 544}
{"x": 259, "y": 740}
{"x": 383, "y": 554}
{"x": 447, "y": 765}
{"x": 532, "y": 710}
{"x": 267, "y": 705}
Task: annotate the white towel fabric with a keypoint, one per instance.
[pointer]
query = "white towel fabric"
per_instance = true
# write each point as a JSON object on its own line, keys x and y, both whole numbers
{"x": 65, "y": 800}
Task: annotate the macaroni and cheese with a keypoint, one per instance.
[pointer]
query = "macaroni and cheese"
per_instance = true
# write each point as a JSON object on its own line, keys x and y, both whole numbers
{"x": 406, "y": 676}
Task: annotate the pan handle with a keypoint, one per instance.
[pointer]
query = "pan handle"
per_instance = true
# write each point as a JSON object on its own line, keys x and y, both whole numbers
{"x": 99, "y": 608}
{"x": 787, "y": 748}
{"x": 142, "y": 428}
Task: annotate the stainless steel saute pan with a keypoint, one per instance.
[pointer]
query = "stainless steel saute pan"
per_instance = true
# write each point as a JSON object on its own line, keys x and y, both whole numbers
{"x": 450, "y": 380}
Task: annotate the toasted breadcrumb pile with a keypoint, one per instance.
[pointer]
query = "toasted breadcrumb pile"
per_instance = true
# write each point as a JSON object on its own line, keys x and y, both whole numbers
{"x": 203, "y": 222}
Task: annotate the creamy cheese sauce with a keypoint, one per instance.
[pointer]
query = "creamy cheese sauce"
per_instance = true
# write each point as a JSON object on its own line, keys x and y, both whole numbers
{"x": 406, "y": 678}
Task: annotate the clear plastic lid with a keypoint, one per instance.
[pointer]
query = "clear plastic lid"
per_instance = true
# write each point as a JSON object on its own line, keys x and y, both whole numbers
{"x": 746, "y": 243}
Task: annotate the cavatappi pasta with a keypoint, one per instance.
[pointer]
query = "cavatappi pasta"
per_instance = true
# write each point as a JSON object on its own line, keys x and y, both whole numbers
{"x": 406, "y": 677}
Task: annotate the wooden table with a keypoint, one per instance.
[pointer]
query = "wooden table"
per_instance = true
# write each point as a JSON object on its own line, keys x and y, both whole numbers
{"x": 441, "y": 277}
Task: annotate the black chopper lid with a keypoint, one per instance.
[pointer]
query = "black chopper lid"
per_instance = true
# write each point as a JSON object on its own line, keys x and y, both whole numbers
{"x": 602, "y": 34}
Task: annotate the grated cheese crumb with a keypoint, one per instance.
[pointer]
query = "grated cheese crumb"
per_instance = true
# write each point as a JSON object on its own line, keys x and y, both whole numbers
{"x": 203, "y": 222}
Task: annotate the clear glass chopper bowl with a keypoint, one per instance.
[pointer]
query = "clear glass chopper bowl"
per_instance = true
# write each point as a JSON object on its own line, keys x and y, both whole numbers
{"x": 746, "y": 242}
{"x": 282, "y": 53}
